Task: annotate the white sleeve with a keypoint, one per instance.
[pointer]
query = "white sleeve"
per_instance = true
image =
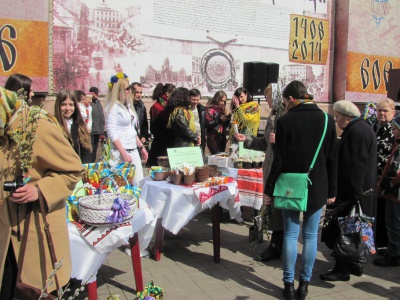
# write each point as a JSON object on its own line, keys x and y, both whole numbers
{"x": 111, "y": 124}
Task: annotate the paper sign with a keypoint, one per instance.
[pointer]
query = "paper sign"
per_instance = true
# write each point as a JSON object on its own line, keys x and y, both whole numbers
{"x": 189, "y": 155}
{"x": 309, "y": 40}
{"x": 243, "y": 152}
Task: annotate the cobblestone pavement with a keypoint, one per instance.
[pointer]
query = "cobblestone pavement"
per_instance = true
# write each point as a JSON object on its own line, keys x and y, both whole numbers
{"x": 187, "y": 271}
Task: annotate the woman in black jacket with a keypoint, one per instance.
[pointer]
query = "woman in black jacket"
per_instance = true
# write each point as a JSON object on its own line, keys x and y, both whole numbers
{"x": 181, "y": 120}
{"x": 357, "y": 156}
{"x": 298, "y": 134}
{"x": 67, "y": 113}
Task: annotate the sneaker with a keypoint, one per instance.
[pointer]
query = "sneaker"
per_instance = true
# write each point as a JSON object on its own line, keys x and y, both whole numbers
{"x": 387, "y": 261}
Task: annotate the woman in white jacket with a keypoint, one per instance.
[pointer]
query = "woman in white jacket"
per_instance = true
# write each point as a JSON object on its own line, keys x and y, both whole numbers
{"x": 121, "y": 124}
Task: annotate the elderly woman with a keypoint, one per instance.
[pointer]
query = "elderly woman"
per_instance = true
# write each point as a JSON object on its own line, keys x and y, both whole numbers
{"x": 389, "y": 187}
{"x": 54, "y": 170}
{"x": 356, "y": 174}
{"x": 385, "y": 111}
{"x": 298, "y": 133}
{"x": 267, "y": 144}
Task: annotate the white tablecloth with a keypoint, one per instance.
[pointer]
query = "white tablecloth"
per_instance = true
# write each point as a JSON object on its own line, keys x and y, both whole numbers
{"x": 88, "y": 255}
{"x": 177, "y": 204}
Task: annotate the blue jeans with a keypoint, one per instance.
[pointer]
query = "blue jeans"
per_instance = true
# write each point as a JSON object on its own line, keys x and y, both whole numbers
{"x": 392, "y": 219}
{"x": 291, "y": 221}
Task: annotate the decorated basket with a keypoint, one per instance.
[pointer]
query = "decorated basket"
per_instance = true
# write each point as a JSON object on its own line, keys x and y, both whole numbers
{"x": 107, "y": 209}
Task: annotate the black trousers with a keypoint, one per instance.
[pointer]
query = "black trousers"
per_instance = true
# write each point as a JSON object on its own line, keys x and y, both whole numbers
{"x": 95, "y": 144}
{"x": 9, "y": 275}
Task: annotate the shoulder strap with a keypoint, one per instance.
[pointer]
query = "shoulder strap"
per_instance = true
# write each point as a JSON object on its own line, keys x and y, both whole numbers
{"x": 48, "y": 234}
{"x": 25, "y": 237}
{"x": 22, "y": 247}
{"x": 320, "y": 143}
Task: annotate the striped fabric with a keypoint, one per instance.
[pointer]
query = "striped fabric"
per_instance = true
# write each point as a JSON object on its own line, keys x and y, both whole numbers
{"x": 250, "y": 184}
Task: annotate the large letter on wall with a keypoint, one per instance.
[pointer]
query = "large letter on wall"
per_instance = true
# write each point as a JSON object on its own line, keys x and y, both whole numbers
{"x": 24, "y": 48}
{"x": 309, "y": 40}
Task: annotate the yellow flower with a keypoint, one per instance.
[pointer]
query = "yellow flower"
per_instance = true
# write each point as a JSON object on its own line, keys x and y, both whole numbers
{"x": 120, "y": 75}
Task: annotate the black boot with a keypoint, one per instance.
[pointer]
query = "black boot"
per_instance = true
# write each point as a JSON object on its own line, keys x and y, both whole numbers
{"x": 271, "y": 253}
{"x": 356, "y": 269}
{"x": 387, "y": 261}
{"x": 274, "y": 250}
{"x": 288, "y": 291}
{"x": 340, "y": 272}
{"x": 302, "y": 290}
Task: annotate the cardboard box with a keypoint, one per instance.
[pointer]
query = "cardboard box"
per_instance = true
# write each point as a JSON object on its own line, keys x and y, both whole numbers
{"x": 221, "y": 162}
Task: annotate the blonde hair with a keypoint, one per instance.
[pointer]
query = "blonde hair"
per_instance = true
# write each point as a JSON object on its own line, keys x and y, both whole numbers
{"x": 387, "y": 101}
{"x": 118, "y": 95}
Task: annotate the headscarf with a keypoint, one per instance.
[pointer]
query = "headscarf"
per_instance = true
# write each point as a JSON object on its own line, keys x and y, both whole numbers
{"x": 11, "y": 103}
{"x": 277, "y": 104}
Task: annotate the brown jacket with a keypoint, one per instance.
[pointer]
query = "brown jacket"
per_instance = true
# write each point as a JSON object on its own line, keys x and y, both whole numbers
{"x": 55, "y": 170}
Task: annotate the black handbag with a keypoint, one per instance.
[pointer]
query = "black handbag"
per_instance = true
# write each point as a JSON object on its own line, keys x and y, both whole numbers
{"x": 22, "y": 290}
{"x": 349, "y": 245}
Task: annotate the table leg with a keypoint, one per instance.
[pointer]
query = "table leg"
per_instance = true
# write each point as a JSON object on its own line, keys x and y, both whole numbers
{"x": 159, "y": 240}
{"x": 136, "y": 262}
{"x": 92, "y": 290}
{"x": 216, "y": 219}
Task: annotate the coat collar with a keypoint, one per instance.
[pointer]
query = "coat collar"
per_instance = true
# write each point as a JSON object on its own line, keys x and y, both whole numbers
{"x": 305, "y": 106}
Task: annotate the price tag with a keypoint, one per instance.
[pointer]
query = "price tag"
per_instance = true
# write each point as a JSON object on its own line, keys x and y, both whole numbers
{"x": 309, "y": 40}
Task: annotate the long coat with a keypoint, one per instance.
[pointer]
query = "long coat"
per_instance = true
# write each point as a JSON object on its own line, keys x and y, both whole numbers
{"x": 357, "y": 155}
{"x": 56, "y": 168}
{"x": 298, "y": 134}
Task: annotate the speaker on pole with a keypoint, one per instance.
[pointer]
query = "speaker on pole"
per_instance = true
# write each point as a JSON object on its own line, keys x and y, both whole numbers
{"x": 257, "y": 75}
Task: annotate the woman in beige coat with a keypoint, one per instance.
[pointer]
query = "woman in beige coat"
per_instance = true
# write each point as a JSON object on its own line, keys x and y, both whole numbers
{"x": 55, "y": 170}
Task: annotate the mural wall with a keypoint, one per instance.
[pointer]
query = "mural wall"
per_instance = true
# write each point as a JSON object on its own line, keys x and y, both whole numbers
{"x": 373, "y": 48}
{"x": 186, "y": 42}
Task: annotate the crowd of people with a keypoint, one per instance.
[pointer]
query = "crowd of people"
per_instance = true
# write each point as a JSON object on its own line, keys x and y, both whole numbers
{"x": 362, "y": 158}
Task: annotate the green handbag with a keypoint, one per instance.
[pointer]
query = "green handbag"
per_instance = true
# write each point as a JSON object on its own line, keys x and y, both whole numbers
{"x": 291, "y": 189}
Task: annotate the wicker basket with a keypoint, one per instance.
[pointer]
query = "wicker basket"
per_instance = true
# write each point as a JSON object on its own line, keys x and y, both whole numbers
{"x": 95, "y": 209}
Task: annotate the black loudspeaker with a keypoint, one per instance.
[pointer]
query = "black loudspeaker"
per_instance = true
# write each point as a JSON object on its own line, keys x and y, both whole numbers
{"x": 393, "y": 85}
{"x": 257, "y": 75}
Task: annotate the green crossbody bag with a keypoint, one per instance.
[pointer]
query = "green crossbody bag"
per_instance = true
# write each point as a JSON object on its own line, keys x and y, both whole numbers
{"x": 291, "y": 189}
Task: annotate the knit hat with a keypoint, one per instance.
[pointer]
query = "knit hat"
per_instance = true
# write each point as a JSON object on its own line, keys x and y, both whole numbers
{"x": 347, "y": 108}
{"x": 396, "y": 122}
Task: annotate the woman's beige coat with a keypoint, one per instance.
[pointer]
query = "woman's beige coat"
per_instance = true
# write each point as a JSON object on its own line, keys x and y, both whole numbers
{"x": 56, "y": 169}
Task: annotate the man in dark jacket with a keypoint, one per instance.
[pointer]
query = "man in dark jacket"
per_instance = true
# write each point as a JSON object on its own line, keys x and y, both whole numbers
{"x": 97, "y": 121}
{"x": 143, "y": 129}
{"x": 198, "y": 111}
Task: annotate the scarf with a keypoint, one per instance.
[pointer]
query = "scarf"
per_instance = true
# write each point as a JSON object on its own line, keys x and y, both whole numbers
{"x": 218, "y": 109}
{"x": 247, "y": 116}
{"x": 296, "y": 102}
{"x": 188, "y": 116}
{"x": 12, "y": 103}
{"x": 163, "y": 100}
{"x": 9, "y": 103}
